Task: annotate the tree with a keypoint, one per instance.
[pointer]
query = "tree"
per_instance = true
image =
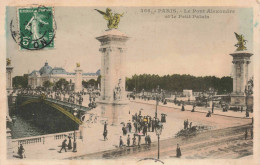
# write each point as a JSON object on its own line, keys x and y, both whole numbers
{"x": 47, "y": 84}
{"x": 89, "y": 83}
{"x": 61, "y": 84}
{"x": 177, "y": 83}
{"x": 20, "y": 81}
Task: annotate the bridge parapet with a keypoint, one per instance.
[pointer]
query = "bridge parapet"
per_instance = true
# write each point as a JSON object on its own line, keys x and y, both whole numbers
{"x": 63, "y": 103}
{"x": 64, "y": 107}
{"x": 43, "y": 139}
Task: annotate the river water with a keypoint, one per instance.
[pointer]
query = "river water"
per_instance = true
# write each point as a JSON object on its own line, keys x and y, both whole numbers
{"x": 25, "y": 128}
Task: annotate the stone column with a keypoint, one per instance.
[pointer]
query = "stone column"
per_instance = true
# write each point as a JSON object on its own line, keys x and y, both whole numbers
{"x": 241, "y": 59}
{"x": 78, "y": 79}
{"x": 234, "y": 77}
{"x": 9, "y": 81}
{"x": 112, "y": 50}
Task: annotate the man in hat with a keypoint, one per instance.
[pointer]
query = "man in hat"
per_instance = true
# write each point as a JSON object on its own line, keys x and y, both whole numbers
{"x": 63, "y": 146}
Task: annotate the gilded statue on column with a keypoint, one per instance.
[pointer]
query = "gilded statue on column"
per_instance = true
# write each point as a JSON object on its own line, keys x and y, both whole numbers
{"x": 241, "y": 42}
{"x": 113, "y": 19}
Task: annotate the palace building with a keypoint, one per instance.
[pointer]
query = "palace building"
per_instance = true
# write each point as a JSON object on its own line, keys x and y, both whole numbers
{"x": 47, "y": 73}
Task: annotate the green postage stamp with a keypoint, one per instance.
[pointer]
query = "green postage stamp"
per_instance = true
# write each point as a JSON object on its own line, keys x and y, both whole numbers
{"x": 36, "y": 26}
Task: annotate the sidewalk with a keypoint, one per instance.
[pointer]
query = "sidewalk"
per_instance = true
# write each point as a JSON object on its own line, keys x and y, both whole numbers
{"x": 217, "y": 111}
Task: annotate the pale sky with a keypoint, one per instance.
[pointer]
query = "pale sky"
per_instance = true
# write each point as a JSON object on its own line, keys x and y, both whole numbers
{"x": 157, "y": 45}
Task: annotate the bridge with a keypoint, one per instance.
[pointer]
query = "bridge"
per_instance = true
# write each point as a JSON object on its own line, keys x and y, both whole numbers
{"x": 66, "y": 108}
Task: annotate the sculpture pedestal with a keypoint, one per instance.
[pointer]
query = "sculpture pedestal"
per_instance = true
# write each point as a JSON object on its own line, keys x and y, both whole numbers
{"x": 112, "y": 49}
{"x": 241, "y": 61}
{"x": 238, "y": 100}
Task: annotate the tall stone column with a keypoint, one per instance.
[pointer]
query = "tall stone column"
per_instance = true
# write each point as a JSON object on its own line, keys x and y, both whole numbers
{"x": 112, "y": 50}
{"x": 78, "y": 79}
{"x": 9, "y": 81}
{"x": 241, "y": 60}
{"x": 9, "y": 86}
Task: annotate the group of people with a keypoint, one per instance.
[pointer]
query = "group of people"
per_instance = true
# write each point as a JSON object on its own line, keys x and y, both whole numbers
{"x": 147, "y": 140}
{"x": 73, "y": 97}
{"x": 187, "y": 125}
{"x": 69, "y": 145}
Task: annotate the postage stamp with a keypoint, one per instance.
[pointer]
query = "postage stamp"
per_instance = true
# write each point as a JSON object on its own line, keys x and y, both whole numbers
{"x": 36, "y": 25}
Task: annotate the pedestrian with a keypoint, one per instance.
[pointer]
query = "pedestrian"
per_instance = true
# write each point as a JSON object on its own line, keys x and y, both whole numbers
{"x": 130, "y": 126}
{"x": 145, "y": 129}
{"x": 149, "y": 126}
{"x": 178, "y": 151}
{"x": 124, "y": 130}
{"x": 153, "y": 122}
{"x": 134, "y": 140}
{"x": 70, "y": 144}
{"x": 21, "y": 151}
{"x": 149, "y": 140}
{"x": 135, "y": 125}
{"x": 105, "y": 135}
{"x": 184, "y": 123}
{"x": 246, "y": 134}
{"x": 241, "y": 108}
{"x": 193, "y": 108}
{"x": 212, "y": 107}
{"x": 190, "y": 125}
{"x": 128, "y": 140}
{"x": 64, "y": 145}
{"x": 182, "y": 108}
{"x": 121, "y": 142}
{"x": 105, "y": 126}
{"x": 139, "y": 140}
{"x": 252, "y": 133}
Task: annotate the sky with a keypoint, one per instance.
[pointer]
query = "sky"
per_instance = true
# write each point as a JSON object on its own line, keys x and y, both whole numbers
{"x": 156, "y": 45}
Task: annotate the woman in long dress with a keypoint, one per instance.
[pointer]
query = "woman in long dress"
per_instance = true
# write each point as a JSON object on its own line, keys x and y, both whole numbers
{"x": 178, "y": 151}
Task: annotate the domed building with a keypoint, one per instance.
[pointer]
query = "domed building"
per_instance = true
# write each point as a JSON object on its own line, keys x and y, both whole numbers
{"x": 47, "y": 73}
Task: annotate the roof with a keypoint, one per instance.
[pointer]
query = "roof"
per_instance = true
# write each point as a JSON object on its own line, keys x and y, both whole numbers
{"x": 46, "y": 69}
{"x": 58, "y": 70}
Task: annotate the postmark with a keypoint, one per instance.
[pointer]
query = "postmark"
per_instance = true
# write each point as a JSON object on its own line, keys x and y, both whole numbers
{"x": 35, "y": 28}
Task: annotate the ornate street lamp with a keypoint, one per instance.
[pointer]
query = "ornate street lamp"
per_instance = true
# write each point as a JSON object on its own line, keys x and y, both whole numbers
{"x": 158, "y": 130}
{"x": 157, "y": 99}
{"x": 75, "y": 143}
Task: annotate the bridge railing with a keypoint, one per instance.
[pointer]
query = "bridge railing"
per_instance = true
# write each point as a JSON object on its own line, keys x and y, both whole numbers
{"x": 67, "y": 104}
{"x": 43, "y": 139}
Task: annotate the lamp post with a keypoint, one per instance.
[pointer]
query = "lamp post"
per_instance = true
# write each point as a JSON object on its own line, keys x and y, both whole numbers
{"x": 247, "y": 93}
{"x": 75, "y": 143}
{"x": 157, "y": 99}
{"x": 158, "y": 130}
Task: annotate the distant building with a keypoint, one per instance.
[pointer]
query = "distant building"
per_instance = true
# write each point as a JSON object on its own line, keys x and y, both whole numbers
{"x": 47, "y": 73}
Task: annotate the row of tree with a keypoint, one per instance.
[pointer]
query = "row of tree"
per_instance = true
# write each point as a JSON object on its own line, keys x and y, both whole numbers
{"x": 177, "y": 83}
{"x": 171, "y": 83}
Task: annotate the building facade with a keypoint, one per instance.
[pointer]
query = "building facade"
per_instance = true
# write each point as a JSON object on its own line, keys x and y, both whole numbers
{"x": 47, "y": 73}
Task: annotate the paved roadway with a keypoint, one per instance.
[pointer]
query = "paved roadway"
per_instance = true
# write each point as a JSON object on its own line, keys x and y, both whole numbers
{"x": 92, "y": 132}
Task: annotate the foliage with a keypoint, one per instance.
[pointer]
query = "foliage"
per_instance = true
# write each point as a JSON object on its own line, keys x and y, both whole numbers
{"x": 62, "y": 83}
{"x": 176, "y": 83}
{"x": 47, "y": 84}
{"x": 20, "y": 81}
{"x": 91, "y": 82}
